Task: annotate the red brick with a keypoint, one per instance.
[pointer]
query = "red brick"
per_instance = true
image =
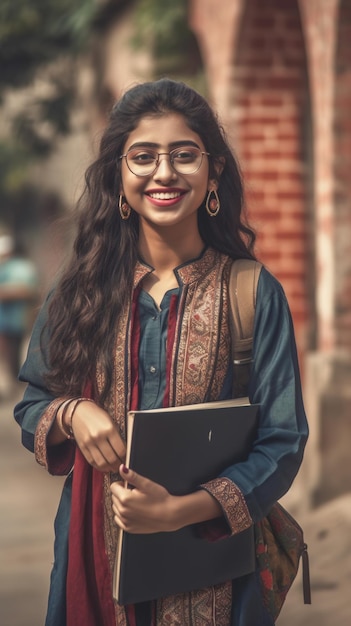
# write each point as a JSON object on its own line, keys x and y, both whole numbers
{"x": 263, "y": 23}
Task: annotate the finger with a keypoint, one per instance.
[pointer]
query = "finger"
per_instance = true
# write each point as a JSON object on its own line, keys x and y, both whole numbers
{"x": 136, "y": 480}
{"x": 119, "y": 494}
{"x": 118, "y": 445}
{"x": 117, "y": 512}
{"x": 117, "y": 485}
{"x": 96, "y": 430}
{"x": 104, "y": 453}
{"x": 110, "y": 455}
{"x": 119, "y": 520}
{"x": 116, "y": 489}
{"x": 102, "y": 458}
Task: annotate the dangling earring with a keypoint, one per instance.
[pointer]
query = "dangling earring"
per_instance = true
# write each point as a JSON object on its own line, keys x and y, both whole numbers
{"x": 212, "y": 203}
{"x": 124, "y": 208}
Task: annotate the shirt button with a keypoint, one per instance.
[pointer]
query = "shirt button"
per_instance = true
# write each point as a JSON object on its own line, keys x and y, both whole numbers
{"x": 152, "y": 369}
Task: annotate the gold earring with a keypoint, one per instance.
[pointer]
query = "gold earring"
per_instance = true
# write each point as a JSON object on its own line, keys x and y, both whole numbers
{"x": 124, "y": 208}
{"x": 212, "y": 203}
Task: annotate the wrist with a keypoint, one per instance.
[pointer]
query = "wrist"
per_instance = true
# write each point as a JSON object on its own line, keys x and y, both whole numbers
{"x": 65, "y": 414}
{"x": 61, "y": 418}
{"x": 71, "y": 413}
{"x": 175, "y": 516}
{"x": 194, "y": 508}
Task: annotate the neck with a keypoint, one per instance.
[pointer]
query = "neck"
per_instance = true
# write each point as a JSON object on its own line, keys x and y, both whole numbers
{"x": 166, "y": 249}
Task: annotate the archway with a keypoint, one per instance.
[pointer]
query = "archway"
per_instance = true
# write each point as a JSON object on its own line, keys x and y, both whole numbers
{"x": 271, "y": 115}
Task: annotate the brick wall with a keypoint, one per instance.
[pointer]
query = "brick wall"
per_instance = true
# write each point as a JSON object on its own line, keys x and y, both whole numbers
{"x": 270, "y": 107}
{"x": 289, "y": 119}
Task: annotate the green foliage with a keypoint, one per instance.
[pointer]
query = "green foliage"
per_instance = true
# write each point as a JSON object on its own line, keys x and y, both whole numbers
{"x": 43, "y": 39}
{"x": 162, "y": 27}
{"x": 43, "y": 119}
{"x": 38, "y": 39}
{"x": 13, "y": 158}
{"x": 162, "y": 21}
{"x": 34, "y": 33}
{"x": 42, "y": 36}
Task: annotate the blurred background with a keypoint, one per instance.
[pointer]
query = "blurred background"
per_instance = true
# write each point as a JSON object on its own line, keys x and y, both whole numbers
{"x": 278, "y": 72}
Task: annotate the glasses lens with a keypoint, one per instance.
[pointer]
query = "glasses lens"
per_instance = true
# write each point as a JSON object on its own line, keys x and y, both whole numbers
{"x": 141, "y": 162}
{"x": 186, "y": 160}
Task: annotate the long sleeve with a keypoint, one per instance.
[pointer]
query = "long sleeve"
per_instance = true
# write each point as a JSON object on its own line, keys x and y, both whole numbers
{"x": 275, "y": 385}
{"x": 36, "y": 411}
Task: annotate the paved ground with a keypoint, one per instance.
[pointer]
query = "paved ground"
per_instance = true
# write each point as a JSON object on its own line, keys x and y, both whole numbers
{"x": 28, "y": 501}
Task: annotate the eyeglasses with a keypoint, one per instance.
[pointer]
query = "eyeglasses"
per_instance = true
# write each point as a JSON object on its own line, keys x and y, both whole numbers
{"x": 145, "y": 161}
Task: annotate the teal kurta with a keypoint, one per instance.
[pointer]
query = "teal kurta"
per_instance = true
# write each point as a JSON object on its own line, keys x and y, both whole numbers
{"x": 278, "y": 450}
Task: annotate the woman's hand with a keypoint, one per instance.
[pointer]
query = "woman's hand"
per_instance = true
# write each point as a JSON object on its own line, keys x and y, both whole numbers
{"x": 150, "y": 508}
{"x": 147, "y": 508}
{"x": 97, "y": 437}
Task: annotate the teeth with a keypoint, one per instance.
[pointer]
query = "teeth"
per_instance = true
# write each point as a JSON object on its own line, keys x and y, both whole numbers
{"x": 165, "y": 195}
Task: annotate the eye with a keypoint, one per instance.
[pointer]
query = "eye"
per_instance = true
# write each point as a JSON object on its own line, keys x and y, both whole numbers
{"x": 142, "y": 157}
{"x": 185, "y": 155}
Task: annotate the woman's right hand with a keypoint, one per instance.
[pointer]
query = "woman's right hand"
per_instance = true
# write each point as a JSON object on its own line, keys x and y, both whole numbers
{"x": 97, "y": 437}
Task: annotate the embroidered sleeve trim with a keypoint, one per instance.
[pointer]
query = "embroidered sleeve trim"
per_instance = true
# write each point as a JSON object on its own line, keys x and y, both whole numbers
{"x": 233, "y": 503}
{"x": 57, "y": 460}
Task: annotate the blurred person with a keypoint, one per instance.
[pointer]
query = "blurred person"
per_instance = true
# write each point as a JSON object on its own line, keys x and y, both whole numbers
{"x": 161, "y": 221}
{"x": 18, "y": 292}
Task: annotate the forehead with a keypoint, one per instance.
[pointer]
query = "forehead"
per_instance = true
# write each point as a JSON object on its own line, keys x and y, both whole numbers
{"x": 163, "y": 131}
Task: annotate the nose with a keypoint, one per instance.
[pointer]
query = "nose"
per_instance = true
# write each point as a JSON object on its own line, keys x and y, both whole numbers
{"x": 164, "y": 170}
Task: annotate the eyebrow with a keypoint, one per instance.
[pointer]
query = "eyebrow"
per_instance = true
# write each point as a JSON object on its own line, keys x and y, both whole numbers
{"x": 174, "y": 144}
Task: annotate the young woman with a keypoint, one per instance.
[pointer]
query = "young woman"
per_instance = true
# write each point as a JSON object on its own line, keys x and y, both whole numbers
{"x": 140, "y": 319}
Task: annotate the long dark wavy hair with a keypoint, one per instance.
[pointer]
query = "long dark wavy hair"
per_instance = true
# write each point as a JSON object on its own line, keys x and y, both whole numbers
{"x": 91, "y": 294}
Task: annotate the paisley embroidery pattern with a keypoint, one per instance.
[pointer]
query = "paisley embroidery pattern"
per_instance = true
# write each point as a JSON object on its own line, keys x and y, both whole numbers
{"x": 56, "y": 464}
{"x": 232, "y": 501}
{"x": 204, "y": 607}
{"x": 201, "y": 347}
{"x": 200, "y": 363}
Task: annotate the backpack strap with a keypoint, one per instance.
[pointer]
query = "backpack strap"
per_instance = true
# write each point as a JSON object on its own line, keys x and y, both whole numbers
{"x": 243, "y": 281}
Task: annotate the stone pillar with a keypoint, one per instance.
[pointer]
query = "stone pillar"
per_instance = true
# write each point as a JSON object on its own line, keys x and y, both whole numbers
{"x": 319, "y": 19}
{"x": 327, "y": 382}
{"x": 215, "y": 25}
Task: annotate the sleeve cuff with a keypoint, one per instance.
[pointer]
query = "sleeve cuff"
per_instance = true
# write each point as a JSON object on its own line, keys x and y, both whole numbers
{"x": 57, "y": 460}
{"x": 233, "y": 504}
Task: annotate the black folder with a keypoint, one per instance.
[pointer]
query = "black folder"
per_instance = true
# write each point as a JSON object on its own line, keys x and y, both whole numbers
{"x": 181, "y": 448}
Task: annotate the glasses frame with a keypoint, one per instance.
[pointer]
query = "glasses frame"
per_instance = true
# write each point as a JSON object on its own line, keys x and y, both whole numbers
{"x": 169, "y": 154}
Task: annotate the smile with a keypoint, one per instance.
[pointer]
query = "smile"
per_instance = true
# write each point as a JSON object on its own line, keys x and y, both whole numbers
{"x": 172, "y": 195}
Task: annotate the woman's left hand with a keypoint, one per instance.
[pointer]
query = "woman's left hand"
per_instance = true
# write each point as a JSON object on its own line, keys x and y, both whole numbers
{"x": 147, "y": 508}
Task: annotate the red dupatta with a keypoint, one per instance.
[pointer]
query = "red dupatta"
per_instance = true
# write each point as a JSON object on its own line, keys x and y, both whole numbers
{"x": 89, "y": 581}
{"x": 89, "y": 578}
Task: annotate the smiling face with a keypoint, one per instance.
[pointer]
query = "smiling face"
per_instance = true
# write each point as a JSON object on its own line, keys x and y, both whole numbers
{"x": 165, "y": 197}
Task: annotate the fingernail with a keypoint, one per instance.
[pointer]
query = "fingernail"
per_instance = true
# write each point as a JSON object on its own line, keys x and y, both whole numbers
{"x": 125, "y": 469}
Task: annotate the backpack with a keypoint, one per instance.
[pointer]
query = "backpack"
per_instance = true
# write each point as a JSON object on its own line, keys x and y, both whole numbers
{"x": 279, "y": 538}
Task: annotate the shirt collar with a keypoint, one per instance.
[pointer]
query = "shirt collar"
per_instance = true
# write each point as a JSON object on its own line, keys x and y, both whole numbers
{"x": 186, "y": 273}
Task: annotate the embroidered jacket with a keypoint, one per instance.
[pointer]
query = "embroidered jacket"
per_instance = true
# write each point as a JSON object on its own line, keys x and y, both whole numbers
{"x": 198, "y": 361}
